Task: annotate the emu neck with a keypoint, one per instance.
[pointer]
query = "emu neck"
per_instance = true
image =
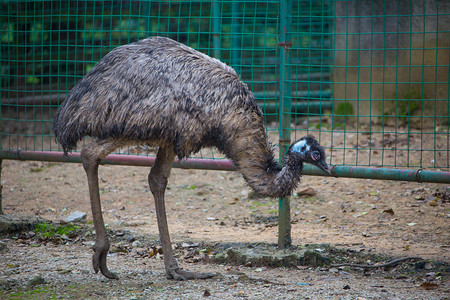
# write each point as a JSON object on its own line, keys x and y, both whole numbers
{"x": 255, "y": 160}
{"x": 274, "y": 181}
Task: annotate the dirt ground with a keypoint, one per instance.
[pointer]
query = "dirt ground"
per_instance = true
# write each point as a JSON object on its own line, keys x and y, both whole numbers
{"x": 383, "y": 218}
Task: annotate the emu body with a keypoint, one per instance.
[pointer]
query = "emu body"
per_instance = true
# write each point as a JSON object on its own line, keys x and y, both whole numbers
{"x": 161, "y": 93}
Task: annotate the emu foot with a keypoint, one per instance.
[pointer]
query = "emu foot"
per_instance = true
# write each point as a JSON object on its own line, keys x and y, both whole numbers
{"x": 99, "y": 263}
{"x": 179, "y": 274}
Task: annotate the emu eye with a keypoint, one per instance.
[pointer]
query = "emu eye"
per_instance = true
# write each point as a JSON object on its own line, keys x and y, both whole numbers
{"x": 315, "y": 155}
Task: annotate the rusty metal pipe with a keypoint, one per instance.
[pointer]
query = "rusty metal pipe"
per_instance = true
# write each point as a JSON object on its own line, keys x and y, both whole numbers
{"x": 119, "y": 159}
{"x": 227, "y": 165}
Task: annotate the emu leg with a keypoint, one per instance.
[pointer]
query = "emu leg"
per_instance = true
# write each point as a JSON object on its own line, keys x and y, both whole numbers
{"x": 91, "y": 157}
{"x": 157, "y": 180}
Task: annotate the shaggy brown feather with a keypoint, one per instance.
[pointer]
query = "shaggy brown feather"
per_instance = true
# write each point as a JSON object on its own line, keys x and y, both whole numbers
{"x": 158, "y": 91}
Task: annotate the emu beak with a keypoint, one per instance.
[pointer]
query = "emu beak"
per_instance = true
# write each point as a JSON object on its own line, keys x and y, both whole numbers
{"x": 323, "y": 165}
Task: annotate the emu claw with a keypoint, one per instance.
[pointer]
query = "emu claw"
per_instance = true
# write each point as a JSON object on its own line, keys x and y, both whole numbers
{"x": 99, "y": 264}
{"x": 109, "y": 274}
{"x": 179, "y": 274}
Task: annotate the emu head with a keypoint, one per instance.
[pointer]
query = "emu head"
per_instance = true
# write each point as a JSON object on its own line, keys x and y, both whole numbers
{"x": 310, "y": 151}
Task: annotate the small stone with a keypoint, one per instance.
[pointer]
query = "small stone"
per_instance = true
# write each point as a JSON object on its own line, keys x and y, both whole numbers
{"x": 3, "y": 247}
{"x": 37, "y": 280}
{"x": 309, "y": 191}
{"x": 136, "y": 244}
{"x": 389, "y": 211}
{"x": 317, "y": 221}
{"x": 76, "y": 217}
{"x": 88, "y": 243}
{"x": 333, "y": 270}
{"x": 187, "y": 245}
{"x": 243, "y": 277}
{"x": 65, "y": 271}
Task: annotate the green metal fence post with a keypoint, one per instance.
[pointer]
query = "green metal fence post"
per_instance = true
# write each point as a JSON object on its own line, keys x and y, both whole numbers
{"x": 235, "y": 37}
{"x": 284, "y": 214}
{"x": 216, "y": 29}
{"x": 148, "y": 21}
{"x": 1, "y": 188}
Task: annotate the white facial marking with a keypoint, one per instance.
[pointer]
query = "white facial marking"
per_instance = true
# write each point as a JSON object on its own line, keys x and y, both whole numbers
{"x": 301, "y": 147}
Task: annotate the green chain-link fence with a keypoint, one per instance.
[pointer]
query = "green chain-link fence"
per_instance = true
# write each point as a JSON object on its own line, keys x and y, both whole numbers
{"x": 370, "y": 79}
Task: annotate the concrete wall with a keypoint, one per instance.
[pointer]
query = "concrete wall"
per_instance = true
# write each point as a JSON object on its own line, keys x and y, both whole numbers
{"x": 385, "y": 50}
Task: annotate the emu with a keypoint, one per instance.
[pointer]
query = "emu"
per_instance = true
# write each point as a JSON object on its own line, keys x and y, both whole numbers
{"x": 161, "y": 93}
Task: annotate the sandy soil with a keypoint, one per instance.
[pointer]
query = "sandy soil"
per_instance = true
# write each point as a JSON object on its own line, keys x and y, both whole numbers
{"x": 395, "y": 219}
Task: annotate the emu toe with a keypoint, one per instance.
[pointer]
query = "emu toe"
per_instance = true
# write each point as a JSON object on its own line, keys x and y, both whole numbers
{"x": 179, "y": 274}
{"x": 99, "y": 264}
{"x": 109, "y": 274}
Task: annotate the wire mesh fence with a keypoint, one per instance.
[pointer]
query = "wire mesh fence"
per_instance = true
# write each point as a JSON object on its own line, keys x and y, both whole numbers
{"x": 369, "y": 79}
